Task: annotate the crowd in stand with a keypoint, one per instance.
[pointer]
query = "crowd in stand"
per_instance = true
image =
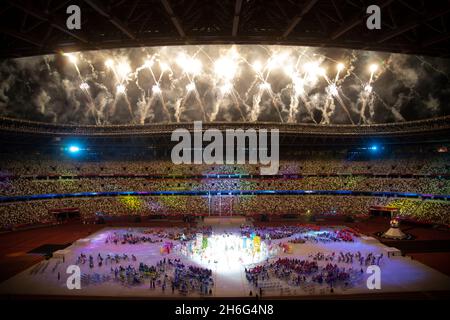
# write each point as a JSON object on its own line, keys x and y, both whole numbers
{"x": 31, "y": 212}
{"x": 27, "y": 186}
{"x": 303, "y": 165}
{"x": 20, "y": 177}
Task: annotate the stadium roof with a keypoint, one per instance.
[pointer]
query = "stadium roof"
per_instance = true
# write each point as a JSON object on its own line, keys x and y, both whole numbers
{"x": 39, "y": 26}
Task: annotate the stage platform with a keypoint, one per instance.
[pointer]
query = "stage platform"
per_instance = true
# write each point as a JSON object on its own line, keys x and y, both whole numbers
{"x": 398, "y": 274}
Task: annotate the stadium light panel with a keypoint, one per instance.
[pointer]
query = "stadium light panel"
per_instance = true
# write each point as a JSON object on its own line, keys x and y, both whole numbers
{"x": 74, "y": 149}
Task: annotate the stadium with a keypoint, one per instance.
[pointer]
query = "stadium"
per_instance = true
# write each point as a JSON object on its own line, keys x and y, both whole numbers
{"x": 93, "y": 205}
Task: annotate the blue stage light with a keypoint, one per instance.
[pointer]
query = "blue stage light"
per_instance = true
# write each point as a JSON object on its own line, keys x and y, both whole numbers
{"x": 74, "y": 149}
{"x": 374, "y": 148}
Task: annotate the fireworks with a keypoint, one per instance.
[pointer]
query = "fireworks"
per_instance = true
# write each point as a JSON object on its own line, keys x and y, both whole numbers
{"x": 190, "y": 87}
{"x": 109, "y": 63}
{"x": 164, "y": 67}
{"x": 225, "y": 68}
{"x": 226, "y": 88}
{"x": 373, "y": 67}
{"x": 245, "y": 82}
{"x": 123, "y": 69}
{"x": 120, "y": 89}
{"x": 332, "y": 89}
{"x": 72, "y": 58}
{"x": 148, "y": 63}
{"x": 156, "y": 89}
{"x": 265, "y": 86}
{"x": 188, "y": 64}
{"x": 257, "y": 66}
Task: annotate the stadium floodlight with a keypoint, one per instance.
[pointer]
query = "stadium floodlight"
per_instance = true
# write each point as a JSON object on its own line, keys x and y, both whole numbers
{"x": 373, "y": 67}
{"x": 374, "y": 148}
{"x": 74, "y": 149}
